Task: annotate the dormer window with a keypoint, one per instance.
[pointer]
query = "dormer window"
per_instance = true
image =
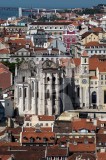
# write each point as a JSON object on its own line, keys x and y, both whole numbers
{"x": 25, "y": 138}
{"x": 86, "y": 141}
{"x": 75, "y": 143}
{"x": 38, "y": 138}
{"x": 45, "y": 139}
{"x": 32, "y": 140}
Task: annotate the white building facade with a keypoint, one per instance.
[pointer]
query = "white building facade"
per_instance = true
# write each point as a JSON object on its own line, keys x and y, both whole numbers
{"x": 37, "y": 88}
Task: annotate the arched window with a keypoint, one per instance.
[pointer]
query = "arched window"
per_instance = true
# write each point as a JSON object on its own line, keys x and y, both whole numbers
{"x": 94, "y": 97}
{"x": 85, "y": 69}
{"x": 48, "y": 79}
{"x": 32, "y": 89}
{"x": 47, "y": 94}
{"x": 78, "y": 91}
{"x": 25, "y": 92}
{"x": 20, "y": 92}
{"x": 54, "y": 79}
{"x": 25, "y": 138}
{"x": 32, "y": 85}
{"x": 32, "y": 140}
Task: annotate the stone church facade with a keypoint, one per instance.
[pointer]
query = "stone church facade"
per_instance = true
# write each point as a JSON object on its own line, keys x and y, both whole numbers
{"x": 49, "y": 88}
{"x": 38, "y": 88}
{"x": 87, "y": 76}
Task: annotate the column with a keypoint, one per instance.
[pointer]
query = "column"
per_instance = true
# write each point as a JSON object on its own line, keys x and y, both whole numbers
{"x": 98, "y": 98}
{"x": 39, "y": 98}
{"x": 23, "y": 101}
{"x": 49, "y": 99}
{"x": 57, "y": 104}
{"x": 29, "y": 97}
{"x": 80, "y": 96}
{"x": 50, "y": 109}
{"x": 43, "y": 95}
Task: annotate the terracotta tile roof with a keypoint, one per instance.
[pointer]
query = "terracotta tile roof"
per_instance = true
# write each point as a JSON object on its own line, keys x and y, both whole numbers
{"x": 29, "y": 129}
{"x": 56, "y": 151}
{"x": 77, "y": 61}
{"x": 101, "y": 155}
{"x": 101, "y": 138}
{"x": 4, "y": 51}
{"x": 82, "y": 148}
{"x": 21, "y": 42}
{"x": 46, "y": 129}
{"x": 93, "y": 77}
{"x": 5, "y": 77}
{"x": 46, "y": 118}
{"x": 81, "y": 140}
{"x": 84, "y": 54}
{"x": 5, "y": 157}
{"x": 14, "y": 131}
{"x": 94, "y": 44}
{"x": 97, "y": 29}
{"x": 79, "y": 124}
{"x": 9, "y": 144}
{"x": 102, "y": 131}
{"x": 16, "y": 48}
{"x": 2, "y": 70}
{"x": 101, "y": 123}
{"x": 102, "y": 67}
{"x": 38, "y": 137}
{"x": 82, "y": 156}
{"x": 62, "y": 127}
{"x": 94, "y": 63}
{"x": 87, "y": 34}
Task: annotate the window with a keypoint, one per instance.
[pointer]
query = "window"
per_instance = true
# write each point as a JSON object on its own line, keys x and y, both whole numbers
{"x": 104, "y": 97}
{"x": 32, "y": 85}
{"x": 85, "y": 60}
{"x": 78, "y": 92}
{"x": 47, "y": 94}
{"x": 25, "y": 92}
{"x": 48, "y": 79}
{"x": 91, "y": 82}
{"x": 105, "y": 77}
{"x": 53, "y": 79}
{"x": 86, "y": 141}
{"x": 20, "y": 92}
{"x": 23, "y": 79}
{"x": 46, "y": 124}
{"x": 101, "y": 82}
{"x": 32, "y": 140}
{"x": 101, "y": 77}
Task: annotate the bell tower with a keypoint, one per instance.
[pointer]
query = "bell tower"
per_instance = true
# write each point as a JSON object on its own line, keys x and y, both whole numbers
{"x": 84, "y": 63}
{"x": 84, "y": 80}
